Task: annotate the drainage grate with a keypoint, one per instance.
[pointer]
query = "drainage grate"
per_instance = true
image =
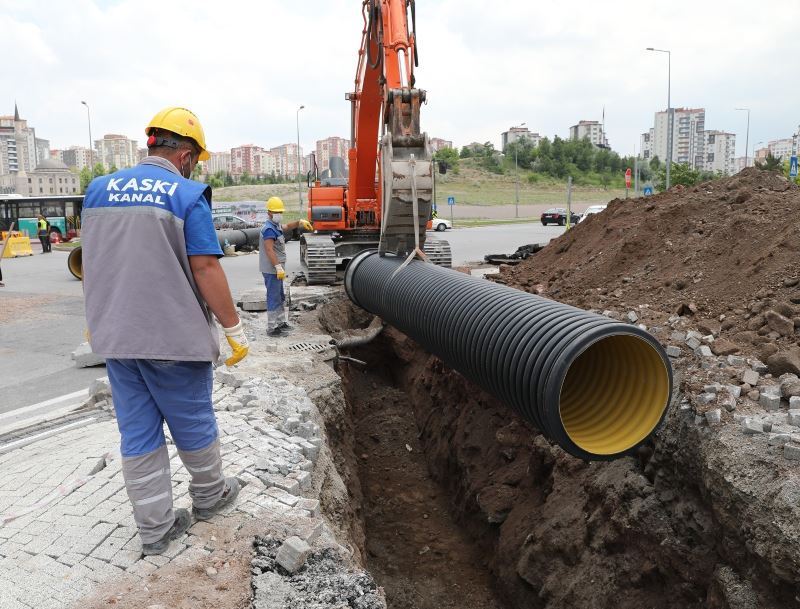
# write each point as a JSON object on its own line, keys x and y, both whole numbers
{"x": 308, "y": 347}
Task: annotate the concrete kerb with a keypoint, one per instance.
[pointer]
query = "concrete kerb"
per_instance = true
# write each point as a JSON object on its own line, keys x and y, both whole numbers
{"x": 273, "y": 440}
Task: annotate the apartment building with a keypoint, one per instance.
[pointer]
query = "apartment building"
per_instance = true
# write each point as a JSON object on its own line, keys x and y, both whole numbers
{"x": 720, "y": 152}
{"x": 331, "y": 147}
{"x": 217, "y": 161}
{"x": 116, "y": 151}
{"x": 593, "y": 130}
{"x": 438, "y": 143}
{"x": 516, "y": 133}
{"x": 646, "y": 144}
{"x": 17, "y": 144}
{"x": 77, "y": 157}
{"x": 289, "y": 160}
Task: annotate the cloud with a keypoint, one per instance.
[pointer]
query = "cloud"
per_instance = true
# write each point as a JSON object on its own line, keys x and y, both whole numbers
{"x": 246, "y": 66}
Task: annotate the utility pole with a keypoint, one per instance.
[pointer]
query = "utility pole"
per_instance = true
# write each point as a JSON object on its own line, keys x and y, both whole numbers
{"x": 299, "y": 190}
{"x": 670, "y": 118}
{"x": 569, "y": 202}
{"x": 91, "y": 152}
{"x": 516, "y": 172}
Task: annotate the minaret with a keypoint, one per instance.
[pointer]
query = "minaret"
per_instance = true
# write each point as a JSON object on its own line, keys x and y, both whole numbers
{"x": 16, "y": 111}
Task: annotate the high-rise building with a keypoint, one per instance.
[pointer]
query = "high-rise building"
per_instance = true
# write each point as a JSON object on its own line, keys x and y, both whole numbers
{"x": 244, "y": 159}
{"x": 516, "y": 133}
{"x": 77, "y": 157}
{"x": 720, "y": 152}
{"x": 217, "y": 161}
{"x": 593, "y": 130}
{"x": 17, "y": 144}
{"x": 330, "y": 147}
{"x": 266, "y": 163}
{"x": 287, "y": 157}
{"x": 141, "y": 154}
{"x": 116, "y": 151}
{"x": 42, "y": 150}
{"x": 57, "y": 155}
{"x": 646, "y": 144}
{"x": 688, "y": 139}
{"x": 781, "y": 148}
{"x": 438, "y": 143}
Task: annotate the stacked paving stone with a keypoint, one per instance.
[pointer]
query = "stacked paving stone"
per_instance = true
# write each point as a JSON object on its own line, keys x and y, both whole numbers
{"x": 65, "y": 519}
{"x": 772, "y": 405}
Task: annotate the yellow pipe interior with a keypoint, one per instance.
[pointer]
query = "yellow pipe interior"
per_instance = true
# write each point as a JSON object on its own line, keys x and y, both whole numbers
{"x": 75, "y": 263}
{"x": 614, "y": 394}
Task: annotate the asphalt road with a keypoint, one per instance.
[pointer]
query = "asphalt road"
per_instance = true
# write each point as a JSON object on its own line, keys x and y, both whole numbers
{"x": 42, "y": 316}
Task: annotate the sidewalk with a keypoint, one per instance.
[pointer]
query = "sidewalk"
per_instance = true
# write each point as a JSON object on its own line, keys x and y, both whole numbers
{"x": 67, "y": 535}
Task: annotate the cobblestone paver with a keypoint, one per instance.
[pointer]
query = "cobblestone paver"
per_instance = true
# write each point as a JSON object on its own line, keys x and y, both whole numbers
{"x": 65, "y": 520}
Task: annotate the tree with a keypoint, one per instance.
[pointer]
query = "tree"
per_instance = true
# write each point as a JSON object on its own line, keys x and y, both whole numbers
{"x": 770, "y": 163}
{"x": 113, "y": 169}
{"x": 99, "y": 170}
{"x": 449, "y": 156}
{"x": 655, "y": 163}
{"x": 680, "y": 174}
{"x": 86, "y": 177}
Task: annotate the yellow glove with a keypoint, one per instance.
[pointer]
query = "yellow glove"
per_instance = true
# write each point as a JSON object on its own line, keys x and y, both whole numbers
{"x": 280, "y": 272}
{"x": 306, "y": 225}
{"x": 238, "y": 342}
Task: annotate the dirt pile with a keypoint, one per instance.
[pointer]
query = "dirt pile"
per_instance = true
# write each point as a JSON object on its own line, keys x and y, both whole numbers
{"x": 723, "y": 252}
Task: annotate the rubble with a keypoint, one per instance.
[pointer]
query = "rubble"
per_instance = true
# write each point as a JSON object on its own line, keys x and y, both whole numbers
{"x": 85, "y": 358}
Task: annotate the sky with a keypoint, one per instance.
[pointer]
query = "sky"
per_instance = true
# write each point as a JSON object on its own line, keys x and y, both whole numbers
{"x": 245, "y": 67}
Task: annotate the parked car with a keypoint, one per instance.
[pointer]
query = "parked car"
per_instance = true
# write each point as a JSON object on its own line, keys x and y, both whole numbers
{"x": 440, "y": 224}
{"x": 558, "y": 215}
{"x": 228, "y": 221}
{"x": 592, "y": 209}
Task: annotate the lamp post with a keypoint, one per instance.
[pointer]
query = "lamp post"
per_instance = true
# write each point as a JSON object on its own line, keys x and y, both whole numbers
{"x": 91, "y": 152}
{"x": 299, "y": 191}
{"x": 516, "y": 173}
{"x": 670, "y": 126}
{"x": 747, "y": 137}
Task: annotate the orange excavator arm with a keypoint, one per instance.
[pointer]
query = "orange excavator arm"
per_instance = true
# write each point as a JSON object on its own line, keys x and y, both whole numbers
{"x": 386, "y": 103}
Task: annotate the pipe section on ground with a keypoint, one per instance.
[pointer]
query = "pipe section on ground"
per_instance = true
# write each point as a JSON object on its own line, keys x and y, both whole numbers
{"x": 596, "y": 387}
{"x": 239, "y": 237}
{"x": 75, "y": 262}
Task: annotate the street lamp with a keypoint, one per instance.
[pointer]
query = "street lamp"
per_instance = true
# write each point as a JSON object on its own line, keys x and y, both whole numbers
{"x": 670, "y": 126}
{"x": 516, "y": 173}
{"x": 91, "y": 153}
{"x": 747, "y": 137}
{"x": 299, "y": 191}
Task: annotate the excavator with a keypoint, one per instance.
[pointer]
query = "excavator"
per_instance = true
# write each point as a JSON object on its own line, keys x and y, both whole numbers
{"x": 385, "y": 203}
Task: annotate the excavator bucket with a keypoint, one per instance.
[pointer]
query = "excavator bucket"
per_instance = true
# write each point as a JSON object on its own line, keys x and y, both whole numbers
{"x": 407, "y": 194}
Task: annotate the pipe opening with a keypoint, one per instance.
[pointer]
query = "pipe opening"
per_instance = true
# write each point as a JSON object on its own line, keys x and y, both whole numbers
{"x": 614, "y": 394}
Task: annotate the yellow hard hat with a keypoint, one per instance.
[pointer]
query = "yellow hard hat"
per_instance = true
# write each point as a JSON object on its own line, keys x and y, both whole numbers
{"x": 275, "y": 205}
{"x": 183, "y": 122}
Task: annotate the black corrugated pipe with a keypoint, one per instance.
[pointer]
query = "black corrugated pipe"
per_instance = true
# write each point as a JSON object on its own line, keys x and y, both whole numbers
{"x": 596, "y": 387}
{"x": 239, "y": 238}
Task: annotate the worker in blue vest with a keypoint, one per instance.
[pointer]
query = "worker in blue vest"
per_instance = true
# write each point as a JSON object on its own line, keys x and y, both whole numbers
{"x": 152, "y": 286}
{"x": 271, "y": 258}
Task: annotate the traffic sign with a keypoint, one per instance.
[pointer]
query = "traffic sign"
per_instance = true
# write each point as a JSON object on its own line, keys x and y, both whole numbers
{"x": 628, "y": 177}
{"x": 793, "y": 167}
{"x": 648, "y": 190}
{"x": 451, "y": 200}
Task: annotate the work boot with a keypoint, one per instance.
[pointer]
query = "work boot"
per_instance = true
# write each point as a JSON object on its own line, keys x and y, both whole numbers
{"x": 275, "y": 332}
{"x": 232, "y": 488}
{"x": 182, "y": 523}
{"x": 285, "y": 327}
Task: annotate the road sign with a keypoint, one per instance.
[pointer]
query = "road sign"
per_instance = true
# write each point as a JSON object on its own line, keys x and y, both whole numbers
{"x": 793, "y": 167}
{"x": 451, "y": 200}
{"x": 648, "y": 190}
{"x": 628, "y": 177}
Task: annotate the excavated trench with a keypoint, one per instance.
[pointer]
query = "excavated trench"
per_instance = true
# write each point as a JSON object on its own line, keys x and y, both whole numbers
{"x": 459, "y": 503}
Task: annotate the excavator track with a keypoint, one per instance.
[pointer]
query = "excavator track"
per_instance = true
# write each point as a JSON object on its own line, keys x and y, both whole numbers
{"x": 318, "y": 254}
{"x": 438, "y": 252}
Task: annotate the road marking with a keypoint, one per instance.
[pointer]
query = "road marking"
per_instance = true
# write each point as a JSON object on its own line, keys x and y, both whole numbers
{"x": 21, "y": 411}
